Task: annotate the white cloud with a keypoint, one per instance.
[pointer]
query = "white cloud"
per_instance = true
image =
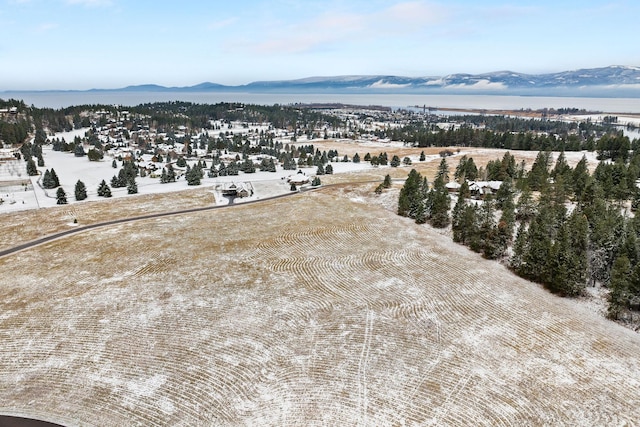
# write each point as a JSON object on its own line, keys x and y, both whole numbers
{"x": 381, "y": 84}
{"x": 337, "y": 28}
{"x": 479, "y": 85}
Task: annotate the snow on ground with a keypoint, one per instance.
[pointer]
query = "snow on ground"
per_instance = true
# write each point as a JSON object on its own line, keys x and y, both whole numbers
{"x": 313, "y": 311}
{"x": 70, "y": 169}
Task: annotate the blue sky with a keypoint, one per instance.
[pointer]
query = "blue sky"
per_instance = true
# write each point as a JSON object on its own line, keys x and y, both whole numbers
{"x": 82, "y": 44}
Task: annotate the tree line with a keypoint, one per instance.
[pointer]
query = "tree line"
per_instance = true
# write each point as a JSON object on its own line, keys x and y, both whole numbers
{"x": 554, "y": 224}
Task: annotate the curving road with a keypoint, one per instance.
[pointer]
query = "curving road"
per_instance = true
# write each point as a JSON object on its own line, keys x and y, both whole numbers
{"x": 83, "y": 228}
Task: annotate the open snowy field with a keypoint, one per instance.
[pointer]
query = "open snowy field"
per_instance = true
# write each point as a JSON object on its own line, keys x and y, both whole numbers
{"x": 321, "y": 309}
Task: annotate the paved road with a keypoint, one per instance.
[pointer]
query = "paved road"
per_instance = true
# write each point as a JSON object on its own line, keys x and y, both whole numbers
{"x": 83, "y": 228}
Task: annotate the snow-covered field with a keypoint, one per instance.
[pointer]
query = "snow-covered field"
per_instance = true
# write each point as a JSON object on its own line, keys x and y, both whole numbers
{"x": 321, "y": 309}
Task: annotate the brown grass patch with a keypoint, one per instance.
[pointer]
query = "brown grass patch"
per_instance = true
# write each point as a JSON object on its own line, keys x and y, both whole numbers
{"x": 323, "y": 308}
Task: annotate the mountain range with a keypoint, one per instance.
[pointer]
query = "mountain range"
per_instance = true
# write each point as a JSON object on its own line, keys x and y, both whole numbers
{"x": 612, "y": 81}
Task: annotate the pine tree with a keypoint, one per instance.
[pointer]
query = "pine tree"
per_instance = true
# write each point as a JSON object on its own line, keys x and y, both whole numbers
{"x": 395, "y": 161}
{"x": 387, "y": 181}
{"x": 356, "y": 158}
{"x": 539, "y": 174}
{"x": 525, "y": 208}
{"x": 443, "y": 171}
{"x": 47, "y": 182}
{"x": 54, "y": 179}
{"x": 32, "y": 170}
{"x": 193, "y": 176}
{"x": 410, "y": 195}
{"x": 328, "y": 170}
{"x": 619, "y": 287}
{"x": 132, "y": 187}
{"x": 61, "y": 197}
{"x": 80, "y": 191}
{"x": 438, "y": 200}
{"x": 456, "y": 219}
{"x": 422, "y": 156}
{"x": 520, "y": 247}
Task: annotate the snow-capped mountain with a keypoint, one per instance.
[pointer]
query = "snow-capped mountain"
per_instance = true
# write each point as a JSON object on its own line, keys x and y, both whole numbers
{"x": 613, "y": 79}
{"x": 610, "y": 81}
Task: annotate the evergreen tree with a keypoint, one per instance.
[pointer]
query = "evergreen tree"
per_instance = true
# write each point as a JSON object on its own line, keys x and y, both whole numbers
{"x": 443, "y": 172}
{"x": 61, "y": 197}
{"x": 32, "y": 170}
{"x": 328, "y": 170}
{"x": 193, "y": 176}
{"x": 94, "y": 155}
{"x": 54, "y": 179}
{"x": 316, "y": 182}
{"x": 114, "y": 164}
{"x": 422, "y": 156}
{"x": 520, "y": 247}
{"x": 619, "y": 287}
{"x": 525, "y": 208}
{"x": 320, "y": 170}
{"x": 466, "y": 170}
{"x": 456, "y": 219}
{"x": 103, "y": 189}
{"x": 411, "y": 196}
{"x": 132, "y": 187}
{"x": 47, "y": 182}
{"x": 439, "y": 203}
{"x": 387, "y": 181}
{"x": 395, "y": 161}
{"x": 356, "y": 158}
{"x": 80, "y": 191}
{"x": 171, "y": 173}
{"x": 79, "y": 150}
{"x": 539, "y": 174}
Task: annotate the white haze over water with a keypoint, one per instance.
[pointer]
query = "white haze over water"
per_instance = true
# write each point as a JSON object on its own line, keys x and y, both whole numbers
{"x": 491, "y": 102}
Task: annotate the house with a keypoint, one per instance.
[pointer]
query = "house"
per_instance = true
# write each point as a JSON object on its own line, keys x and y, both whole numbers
{"x": 298, "y": 178}
{"x": 243, "y": 189}
{"x": 479, "y": 189}
{"x": 452, "y": 187}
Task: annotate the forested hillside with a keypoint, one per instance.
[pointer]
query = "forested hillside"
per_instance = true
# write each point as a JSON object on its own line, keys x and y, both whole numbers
{"x": 563, "y": 227}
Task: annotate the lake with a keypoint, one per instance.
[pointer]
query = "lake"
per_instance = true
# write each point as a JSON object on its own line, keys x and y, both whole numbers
{"x": 66, "y": 99}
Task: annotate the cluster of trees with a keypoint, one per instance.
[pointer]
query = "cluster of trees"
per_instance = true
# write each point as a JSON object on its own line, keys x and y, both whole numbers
{"x": 126, "y": 177}
{"x": 103, "y": 189}
{"x": 424, "y": 204}
{"x": 50, "y": 179}
{"x": 554, "y": 224}
{"x": 475, "y": 225}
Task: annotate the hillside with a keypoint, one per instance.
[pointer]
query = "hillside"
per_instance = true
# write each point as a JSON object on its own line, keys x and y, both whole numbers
{"x": 326, "y": 308}
{"x": 612, "y": 81}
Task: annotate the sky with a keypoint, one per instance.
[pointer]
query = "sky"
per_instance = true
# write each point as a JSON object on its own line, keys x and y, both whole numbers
{"x": 84, "y": 44}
